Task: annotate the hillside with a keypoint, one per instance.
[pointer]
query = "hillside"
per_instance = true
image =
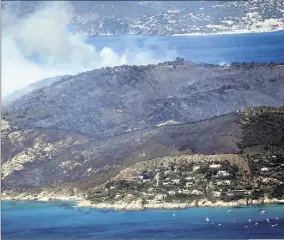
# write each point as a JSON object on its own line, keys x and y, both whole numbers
{"x": 112, "y": 101}
{"x": 36, "y": 158}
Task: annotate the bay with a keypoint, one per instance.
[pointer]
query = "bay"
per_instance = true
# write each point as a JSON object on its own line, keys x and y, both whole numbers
{"x": 60, "y": 220}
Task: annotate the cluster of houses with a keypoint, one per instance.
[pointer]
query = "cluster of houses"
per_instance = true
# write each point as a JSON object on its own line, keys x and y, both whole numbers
{"x": 173, "y": 181}
{"x": 268, "y": 169}
{"x": 190, "y": 181}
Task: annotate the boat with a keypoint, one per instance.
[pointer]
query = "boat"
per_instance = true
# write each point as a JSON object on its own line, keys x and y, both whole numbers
{"x": 207, "y": 219}
{"x": 174, "y": 214}
{"x": 262, "y": 211}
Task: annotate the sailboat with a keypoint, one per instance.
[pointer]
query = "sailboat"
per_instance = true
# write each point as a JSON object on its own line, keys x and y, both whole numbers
{"x": 207, "y": 219}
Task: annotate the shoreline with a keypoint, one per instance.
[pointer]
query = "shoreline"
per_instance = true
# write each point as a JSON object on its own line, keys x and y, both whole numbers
{"x": 244, "y": 31}
{"x": 225, "y": 33}
{"x": 138, "y": 205}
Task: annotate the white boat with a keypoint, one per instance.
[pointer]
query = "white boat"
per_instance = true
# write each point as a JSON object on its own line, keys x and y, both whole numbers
{"x": 174, "y": 214}
{"x": 207, "y": 219}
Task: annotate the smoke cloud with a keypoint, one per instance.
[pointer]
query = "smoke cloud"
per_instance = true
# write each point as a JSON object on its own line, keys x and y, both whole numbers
{"x": 41, "y": 46}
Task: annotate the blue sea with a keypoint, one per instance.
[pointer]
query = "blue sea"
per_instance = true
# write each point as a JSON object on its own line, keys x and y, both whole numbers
{"x": 60, "y": 220}
{"x": 213, "y": 49}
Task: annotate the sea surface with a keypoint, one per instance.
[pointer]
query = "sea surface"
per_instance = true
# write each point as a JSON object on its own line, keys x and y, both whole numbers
{"x": 60, "y": 220}
{"x": 214, "y": 49}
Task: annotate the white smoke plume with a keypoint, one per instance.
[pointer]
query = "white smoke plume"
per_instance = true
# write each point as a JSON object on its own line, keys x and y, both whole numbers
{"x": 44, "y": 35}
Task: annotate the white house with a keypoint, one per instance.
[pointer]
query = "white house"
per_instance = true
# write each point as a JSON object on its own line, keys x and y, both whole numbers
{"x": 223, "y": 182}
{"x": 146, "y": 180}
{"x": 264, "y": 169}
{"x": 176, "y": 181}
{"x": 185, "y": 191}
{"x": 189, "y": 178}
{"x": 223, "y": 173}
{"x": 216, "y": 194}
{"x": 196, "y": 192}
{"x": 215, "y": 166}
{"x": 195, "y": 168}
{"x": 117, "y": 196}
{"x": 171, "y": 193}
{"x": 160, "y": 196}
{"x": 188, "y": 184}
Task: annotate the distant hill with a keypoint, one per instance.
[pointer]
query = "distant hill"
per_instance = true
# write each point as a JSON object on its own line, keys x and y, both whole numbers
{"x": 167, "y": 17}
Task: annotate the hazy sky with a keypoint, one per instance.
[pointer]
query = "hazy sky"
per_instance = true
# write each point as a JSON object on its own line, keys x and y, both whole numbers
{"x": 59, "y": 51}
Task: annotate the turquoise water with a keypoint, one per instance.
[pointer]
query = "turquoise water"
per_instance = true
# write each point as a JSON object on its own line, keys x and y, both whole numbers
{"x": 59, "y": 220}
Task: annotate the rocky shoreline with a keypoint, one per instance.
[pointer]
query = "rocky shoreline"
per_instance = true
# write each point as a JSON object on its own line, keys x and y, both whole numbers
{"x": 134, "y": 205}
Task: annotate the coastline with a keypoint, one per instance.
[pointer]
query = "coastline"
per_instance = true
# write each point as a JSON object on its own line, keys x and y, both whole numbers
{"x": 244, "y": 31}
{"x": 135, "y": 205}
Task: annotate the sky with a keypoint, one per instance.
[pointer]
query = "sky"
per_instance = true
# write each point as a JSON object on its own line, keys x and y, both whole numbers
{"x": 39, "y": 46}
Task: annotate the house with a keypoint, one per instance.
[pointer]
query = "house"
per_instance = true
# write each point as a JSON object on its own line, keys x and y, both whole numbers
{"x": 146, "y": 180}
{"x": 223, "y": 182}
{"x": 195, "y": 168}
{"x": 140, "y": 177}
{"x": 196, "y": 192}
{"x": 167, "y": 172}
{"x": 176, "y": 181}
{"x": 166, "y": 183}
{"x": 129, "y": 195}
{"x": 151, "y": 189}
{"x": 215, "y": 166}
{"x": 223, "y": 174}
{"x": 118, "y": 196}
{"x": 160, "y": 197}
{"x": 180, "y": 191}
{"x": 216, "y": 194}
{"x": 112, "y": 187}
{"x": 188, "y": 184}
{"x": 132, "y": 178}
{"x": 264, "y": 169}
{"x": 185, "y": 191}
{"x": 189, "y": 178}
{"x": 171, "y": 193}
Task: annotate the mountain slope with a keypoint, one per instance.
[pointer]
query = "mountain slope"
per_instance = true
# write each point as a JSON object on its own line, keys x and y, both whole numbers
{"x": 111, "y": 101}
{"x": 37, "y": 158}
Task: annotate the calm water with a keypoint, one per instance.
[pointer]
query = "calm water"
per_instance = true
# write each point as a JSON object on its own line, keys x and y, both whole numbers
{"x": 258, "y": 47}
{"x": 35, "y": 220}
